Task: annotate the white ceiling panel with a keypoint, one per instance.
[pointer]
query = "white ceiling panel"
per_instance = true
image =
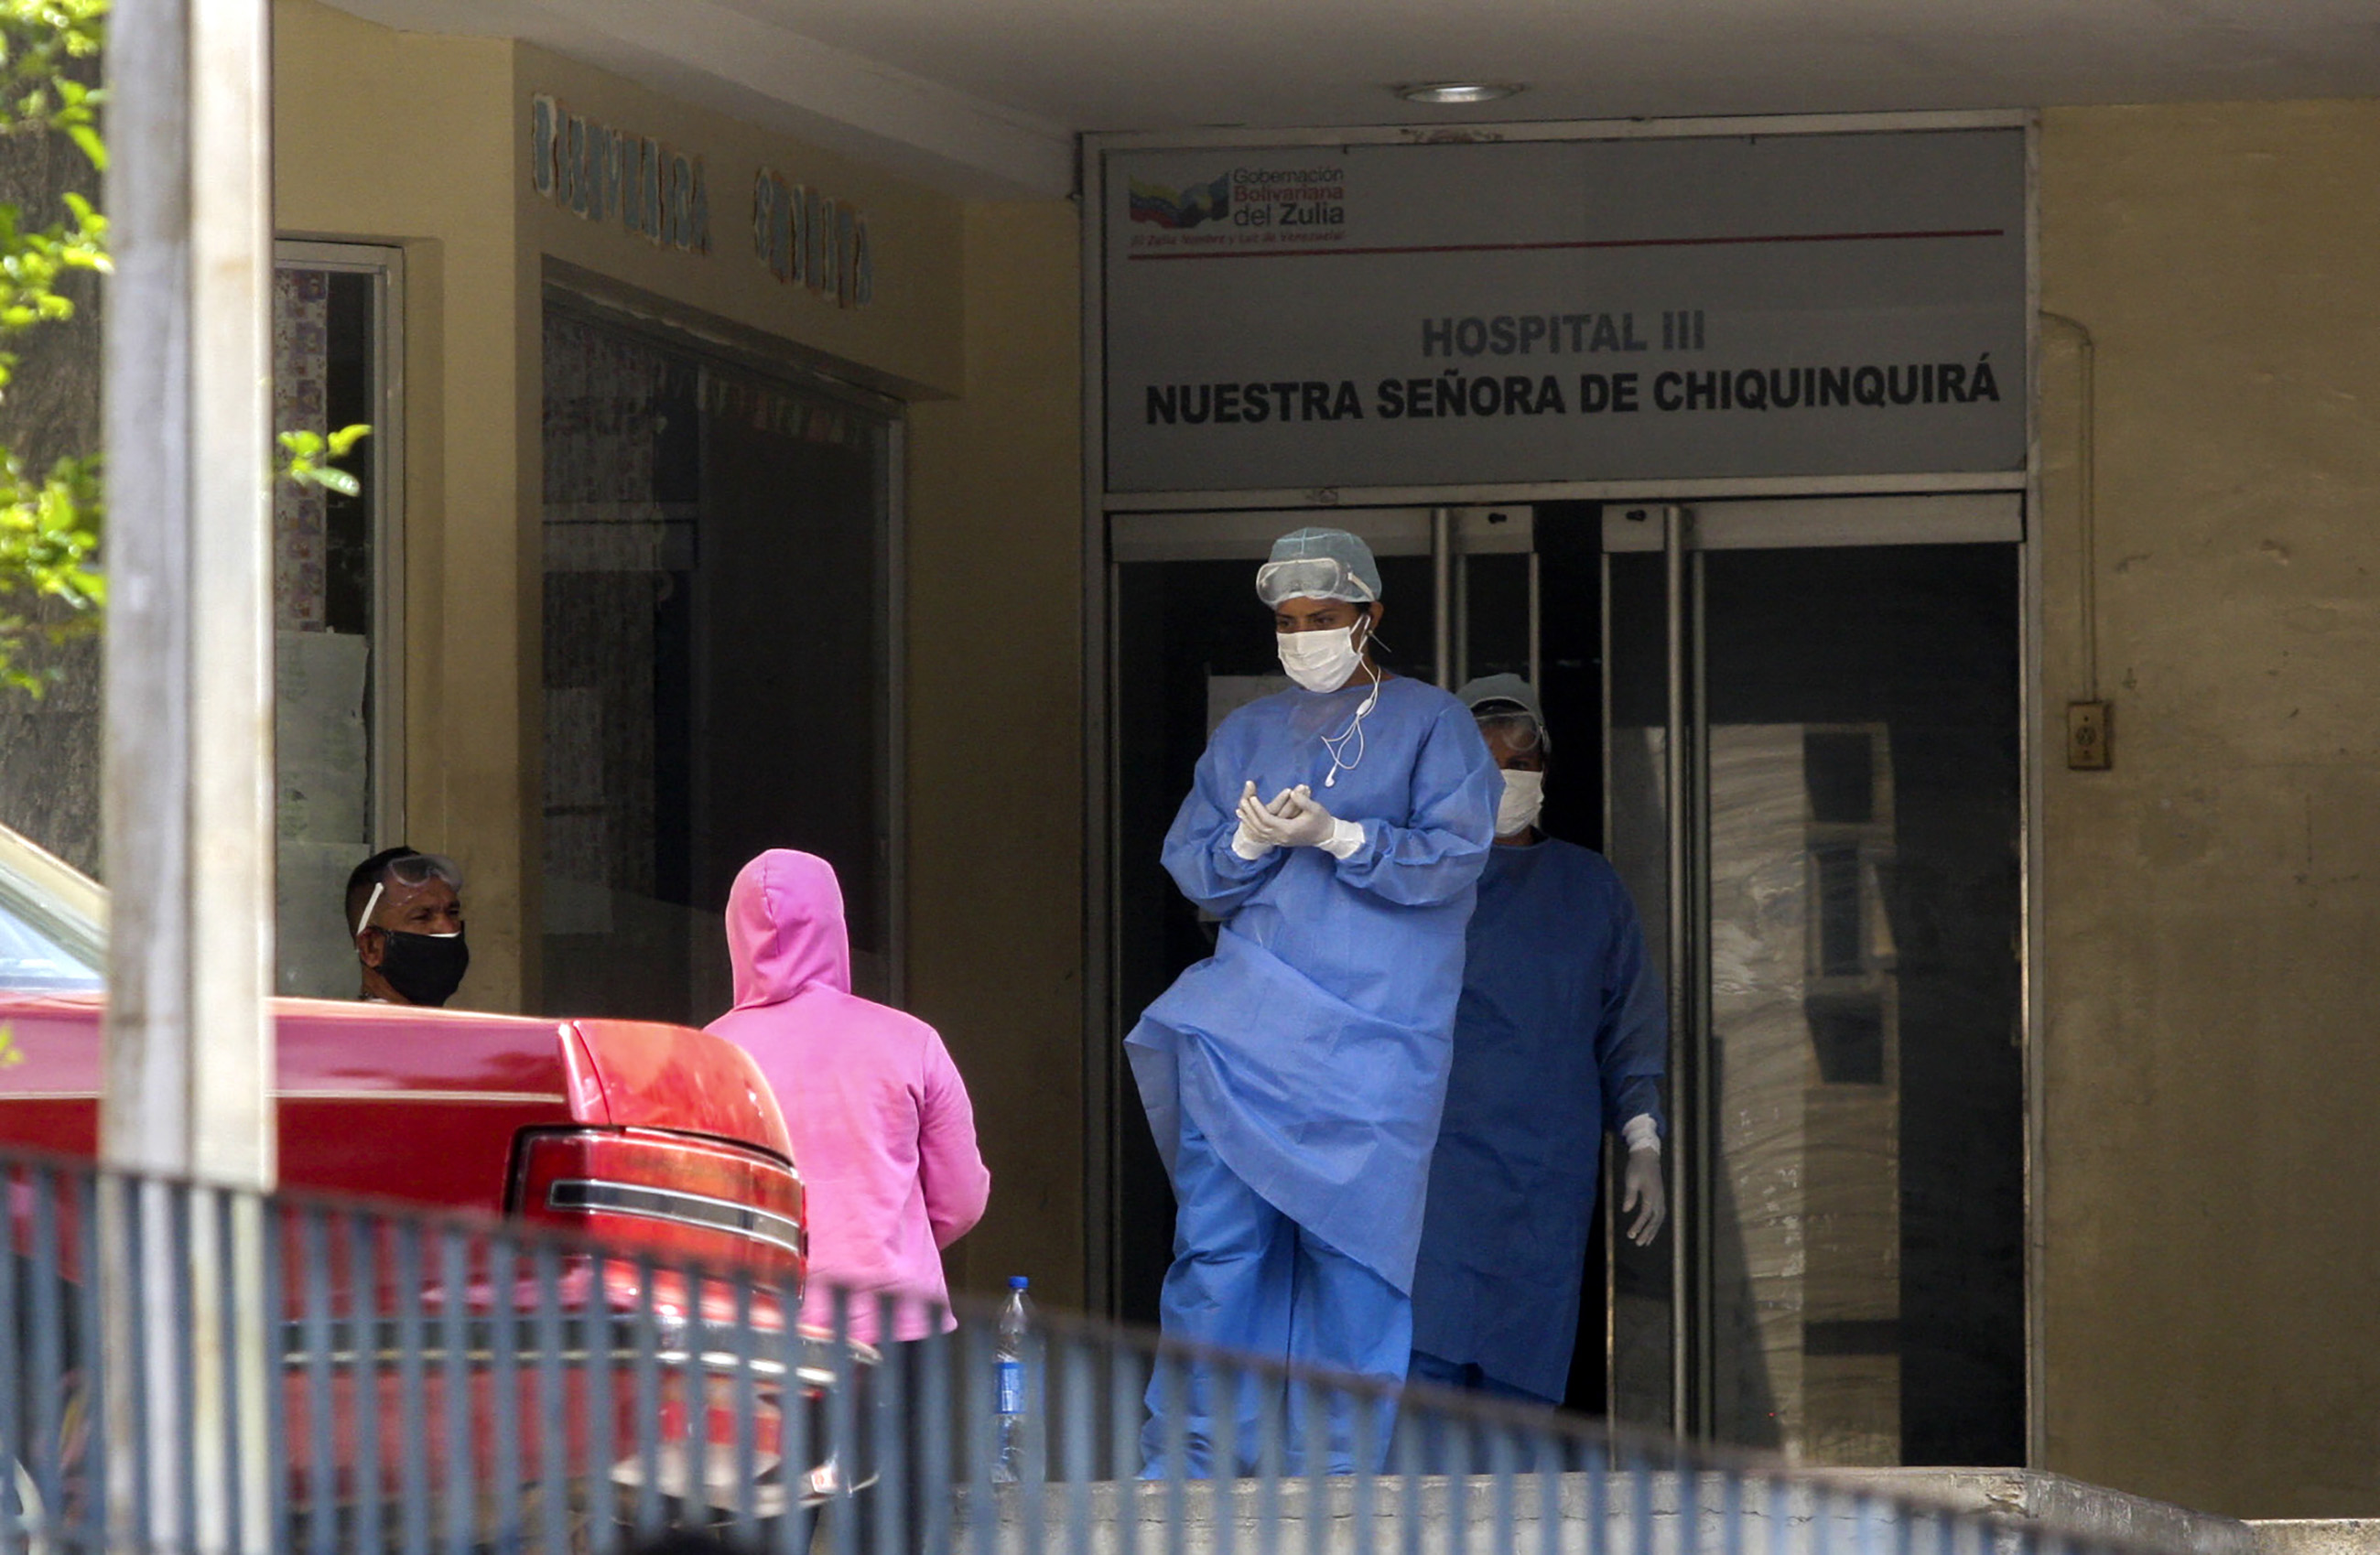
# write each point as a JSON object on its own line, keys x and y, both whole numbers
{"x": 983, "y": 95}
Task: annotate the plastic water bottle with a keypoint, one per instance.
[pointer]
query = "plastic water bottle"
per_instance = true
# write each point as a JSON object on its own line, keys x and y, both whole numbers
{"x": 1012, "y": 1400}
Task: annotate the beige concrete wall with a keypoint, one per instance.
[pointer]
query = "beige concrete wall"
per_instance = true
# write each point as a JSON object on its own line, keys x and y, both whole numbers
{"x": 404, "y": 139}
{"x": 910, "y": 334}
{"x": 424, "y": 141}
{"x": 2211, "y": 1272}
{"x": 995, "y": 738}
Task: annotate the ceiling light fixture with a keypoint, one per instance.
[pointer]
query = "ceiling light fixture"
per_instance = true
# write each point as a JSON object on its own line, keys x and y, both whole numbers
{"x": 1446, "y": 93}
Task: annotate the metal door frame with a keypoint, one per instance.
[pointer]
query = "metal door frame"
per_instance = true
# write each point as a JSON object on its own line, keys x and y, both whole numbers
{"x": 1103, "y": 1025}
{"x": 1683, "y": 533}
{"x": 385, "y": 451}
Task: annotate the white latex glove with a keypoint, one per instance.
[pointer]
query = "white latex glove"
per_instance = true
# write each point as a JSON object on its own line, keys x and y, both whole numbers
{"x": 1260, "y": 821}
{"x": 1295, "y": 818}
{"x": 1641, "y": 1193}
{"x": 1302, "y": 819}
{"x": 1244, "y": 841}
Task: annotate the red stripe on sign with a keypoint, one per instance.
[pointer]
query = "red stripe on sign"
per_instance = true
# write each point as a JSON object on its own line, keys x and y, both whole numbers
{"x": 1319, "y": 251}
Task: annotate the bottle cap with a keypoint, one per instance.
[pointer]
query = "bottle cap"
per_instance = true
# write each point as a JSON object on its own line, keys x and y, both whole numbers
{"x": 1016, "y": 1281}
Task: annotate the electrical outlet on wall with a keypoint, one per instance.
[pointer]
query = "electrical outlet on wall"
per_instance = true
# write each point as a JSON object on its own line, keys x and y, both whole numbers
{"x": 2087, "y": 737}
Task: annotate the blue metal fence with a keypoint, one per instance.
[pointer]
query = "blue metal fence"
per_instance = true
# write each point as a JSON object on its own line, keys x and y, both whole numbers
{"x": 436, "y": 1387}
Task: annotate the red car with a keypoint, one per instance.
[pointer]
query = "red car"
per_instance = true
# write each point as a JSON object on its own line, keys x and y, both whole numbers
{"x": 649, "y": 1139}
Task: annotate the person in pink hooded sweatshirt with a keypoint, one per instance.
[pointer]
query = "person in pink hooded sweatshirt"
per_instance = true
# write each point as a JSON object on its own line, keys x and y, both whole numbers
{"x": 882, "y": 1130}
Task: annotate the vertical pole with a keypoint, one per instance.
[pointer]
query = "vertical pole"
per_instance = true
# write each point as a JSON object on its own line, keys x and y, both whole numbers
{"x": 1441, "y": 581}
{"x": 188, "y": 1088}
{"x": 1684, "y": 1130}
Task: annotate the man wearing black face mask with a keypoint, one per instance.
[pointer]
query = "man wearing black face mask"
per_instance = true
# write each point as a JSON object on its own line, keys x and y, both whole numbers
{"x": 404, "y": 909}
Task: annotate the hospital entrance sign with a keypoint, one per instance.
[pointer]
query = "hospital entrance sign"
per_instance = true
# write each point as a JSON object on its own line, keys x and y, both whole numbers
{"x": 1568, "y": 309}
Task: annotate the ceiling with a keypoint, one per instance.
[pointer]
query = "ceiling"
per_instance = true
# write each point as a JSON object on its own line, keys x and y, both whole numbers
{"x": 984, "y": 96}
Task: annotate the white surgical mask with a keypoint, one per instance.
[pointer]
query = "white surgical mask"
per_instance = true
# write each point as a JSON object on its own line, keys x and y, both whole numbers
{"x": 1524, "y": 795}
{"x": 1323, "y": 661}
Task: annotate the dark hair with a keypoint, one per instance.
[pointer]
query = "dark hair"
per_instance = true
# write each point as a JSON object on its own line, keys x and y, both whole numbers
{"x": 372, "y": 871}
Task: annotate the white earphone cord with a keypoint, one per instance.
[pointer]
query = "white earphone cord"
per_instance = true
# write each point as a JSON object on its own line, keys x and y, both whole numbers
{"x": 1354, "y": 730}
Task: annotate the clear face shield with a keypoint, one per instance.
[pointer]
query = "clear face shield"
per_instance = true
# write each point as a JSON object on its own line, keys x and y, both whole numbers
{"x": 413, "y": 870}
{"x": 1310, "y": 578}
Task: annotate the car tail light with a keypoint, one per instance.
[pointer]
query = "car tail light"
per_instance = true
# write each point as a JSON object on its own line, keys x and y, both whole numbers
{"x": 671, "y": 1194}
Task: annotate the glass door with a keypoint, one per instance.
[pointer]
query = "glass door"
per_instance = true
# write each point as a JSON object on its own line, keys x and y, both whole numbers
{"x": 1813, "y": 785}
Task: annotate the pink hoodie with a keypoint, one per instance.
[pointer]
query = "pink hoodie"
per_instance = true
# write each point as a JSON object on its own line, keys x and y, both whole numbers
{"x": 882, "y": 1130}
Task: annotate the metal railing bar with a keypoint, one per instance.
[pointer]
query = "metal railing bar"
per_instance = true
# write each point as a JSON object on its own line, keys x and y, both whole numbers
{"x": 1032, "y": 1448}
{"x": 980, "y": 1435}
{"x": 1502, "y": 1464}
{"x": 91, "y": 1337}
{"x": 1406, "y": 1446}
{"x": 322, "y": 1494}
{"x": 413, "y": 1405}
{"x": 553, "y": 1405}
{"x": 648, "y": 1404}
{"x": 1687, "y": 1478}
{"x": 601, "y": 1511}
{"x": 503, "y": 1485}
{"x": 235, "y": 1336}
{"x": 1272, "y": 1403}
{"x": 1598, "y": 1500}
{"x": 842, "y": 1512}
{"x": 184, "y": 1363}
{"x": 273, "y": 1222}
{"x": 15, "y": 1447}
{"x": 1370, "y": 1453}
{"x": 889, "y": 1415}
{"x": 1462, "y": 1473}
{"x": 1321, "y": 1433}
{"x": 1074, "y": 1450}
{"x": 461, "y": 1495}
{"x": 48, "y": 1367}
{"x": 747, "y": 1406}
{"x": 1125, "y": 1390}
{"x": 363, "y": 1283}
{"x": 1180, "y": 1381}
{"x": 934, "y": 1354}
{"x": 1640, "y": 1504}
{"x": 1548, "y": 1458}
{"x": 132, "y": 1207}
{"x": 794, "y": 1527}
{"x": 1227, "y": 1401}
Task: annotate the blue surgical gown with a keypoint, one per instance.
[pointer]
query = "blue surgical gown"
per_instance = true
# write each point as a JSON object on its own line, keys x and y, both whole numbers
{"x": 1311, "y": 1049}
{"x": 1561, "y": 1035}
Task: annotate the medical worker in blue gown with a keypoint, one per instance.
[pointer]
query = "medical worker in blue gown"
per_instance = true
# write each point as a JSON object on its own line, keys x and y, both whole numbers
{"x": 1293, "y": 1079}
{"x": 1561, "y": 1035}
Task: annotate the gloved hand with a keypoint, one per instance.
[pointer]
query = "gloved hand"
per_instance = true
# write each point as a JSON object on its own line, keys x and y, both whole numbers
{"x": 1641, "y": 1192}
{"x": 1245, "y": 840}
{"x": 1295, "y": 820}
{"x": 1300, "y": 820}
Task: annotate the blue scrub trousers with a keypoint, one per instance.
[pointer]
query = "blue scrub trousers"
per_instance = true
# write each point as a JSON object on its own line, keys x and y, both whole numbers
{"x": 1245, "y": 1277}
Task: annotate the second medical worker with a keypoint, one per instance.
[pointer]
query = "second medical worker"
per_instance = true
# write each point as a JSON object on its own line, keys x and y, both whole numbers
{"x": 1294, "y": 1079}
{"x": 1562, "y": 1034}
